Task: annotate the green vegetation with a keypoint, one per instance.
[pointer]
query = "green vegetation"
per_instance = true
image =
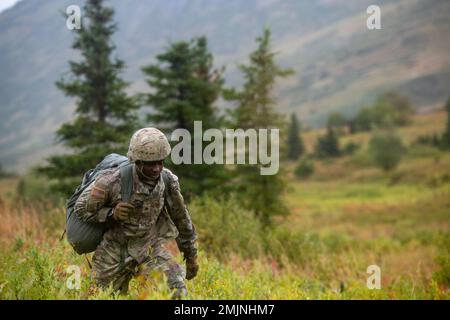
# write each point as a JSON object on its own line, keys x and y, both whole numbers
{"x": 305, "y": 168}
{"x": 390, "y": 109}
{"x": 386, "y": 149}
{"x": 437, "y": 139}
{"x": 346, "y": 216}
{"x": 4, "y": 174}
{"x": 268, "y": 236}
{"x": 295, "y": 144}
{"x": 256, "y": 109}
{"x": 446, "y": 135}
{"x": 185, "y": 87}
{"x": 337, "y": 121}
{"x": 327, "y": 146}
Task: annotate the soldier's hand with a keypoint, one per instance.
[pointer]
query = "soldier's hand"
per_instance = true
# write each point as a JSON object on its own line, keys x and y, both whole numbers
{"x": 122, "y": 211}
{"x": 191, "y": 267}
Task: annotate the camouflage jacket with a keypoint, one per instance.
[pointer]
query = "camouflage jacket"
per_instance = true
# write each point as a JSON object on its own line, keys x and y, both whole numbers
{"x": 151, "y": 218}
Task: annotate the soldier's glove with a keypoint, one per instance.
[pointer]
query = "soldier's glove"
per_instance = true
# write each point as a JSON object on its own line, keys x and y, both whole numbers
{"x": 191, "y": 267}
{"x": 122, "y": 211}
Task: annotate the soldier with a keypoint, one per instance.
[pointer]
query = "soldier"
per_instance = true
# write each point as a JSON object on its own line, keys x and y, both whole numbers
{"x": 139, "y": 228}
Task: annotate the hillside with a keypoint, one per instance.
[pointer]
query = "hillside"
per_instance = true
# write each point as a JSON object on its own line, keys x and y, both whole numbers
{"x": 339, "y": 64}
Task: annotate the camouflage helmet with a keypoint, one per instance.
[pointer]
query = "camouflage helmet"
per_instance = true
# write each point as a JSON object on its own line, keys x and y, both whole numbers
{"x": 148, "y": 144}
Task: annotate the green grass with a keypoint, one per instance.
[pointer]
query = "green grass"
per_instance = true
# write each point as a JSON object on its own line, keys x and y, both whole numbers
{"x": 40, "y": 272}
{"x": 346, "y": 216}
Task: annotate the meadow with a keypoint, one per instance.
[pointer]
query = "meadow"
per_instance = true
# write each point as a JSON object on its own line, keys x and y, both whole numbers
{"x": 346, "y": 216}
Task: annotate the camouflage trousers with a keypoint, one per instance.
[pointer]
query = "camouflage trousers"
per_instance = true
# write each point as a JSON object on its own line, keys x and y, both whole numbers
{"x": 112, "y": 264}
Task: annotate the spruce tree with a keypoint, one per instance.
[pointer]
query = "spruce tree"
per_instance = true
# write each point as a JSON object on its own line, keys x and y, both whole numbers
{"x": 185, "y": 87}
{"x": 446, "y": 136}
{"x": 327, "y": 146}
{"x": 256, "y": 109}
{"x": 106, "y": 116}
{"x": 294, "y": 141}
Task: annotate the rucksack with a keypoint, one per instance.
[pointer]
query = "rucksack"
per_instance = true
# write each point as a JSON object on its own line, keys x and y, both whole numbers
{"x": 86, "y": 236}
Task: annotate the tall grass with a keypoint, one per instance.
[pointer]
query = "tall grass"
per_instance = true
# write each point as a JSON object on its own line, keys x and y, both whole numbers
{"x": 346, "y": 216}
{"x": 239, "y": 258}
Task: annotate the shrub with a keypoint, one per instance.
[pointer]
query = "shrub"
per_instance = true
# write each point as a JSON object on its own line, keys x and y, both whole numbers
{"x": 350, "y": 148}
{"x": 305, "y": 168}
{"x": 225, "y": 227}
{"x": 386, "y": 149}
{"x": 442, "y": 275}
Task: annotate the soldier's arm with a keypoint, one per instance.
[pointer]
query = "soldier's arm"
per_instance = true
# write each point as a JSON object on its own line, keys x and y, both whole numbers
{"x": 180, "y": 216}
{"x": 91, "y": 204}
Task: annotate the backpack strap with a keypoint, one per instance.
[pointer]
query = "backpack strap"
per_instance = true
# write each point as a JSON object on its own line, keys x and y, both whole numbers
{"x": 126, "y": 182}
{"x": 166, "y": 184}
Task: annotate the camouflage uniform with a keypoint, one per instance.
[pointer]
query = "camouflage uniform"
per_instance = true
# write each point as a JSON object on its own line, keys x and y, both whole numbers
{"x": 138, "y": 240}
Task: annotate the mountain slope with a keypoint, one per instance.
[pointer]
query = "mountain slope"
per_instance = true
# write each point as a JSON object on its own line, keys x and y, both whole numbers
{"x": 339, "y": 63}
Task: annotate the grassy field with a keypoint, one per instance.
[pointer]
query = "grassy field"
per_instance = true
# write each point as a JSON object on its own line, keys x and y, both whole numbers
{"x": 347, "y": 216}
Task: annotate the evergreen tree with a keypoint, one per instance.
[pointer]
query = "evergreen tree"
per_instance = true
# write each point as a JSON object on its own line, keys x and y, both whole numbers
{"x": 185, "y": 88}
{"x": 327, "y": 146}
{"x": 446, "y": 136}
{"x": 295, "y": 142}
{"x": 256, "y": 110}
{"x": 106, "y": 116}
{"x": 3, "y": 173}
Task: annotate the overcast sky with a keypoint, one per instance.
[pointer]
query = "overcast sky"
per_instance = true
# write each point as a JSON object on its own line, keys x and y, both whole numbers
{"x": 5, "y": 4}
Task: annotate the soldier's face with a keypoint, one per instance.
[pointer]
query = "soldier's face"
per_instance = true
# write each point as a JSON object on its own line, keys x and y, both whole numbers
{"x": 151, "y": 169}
